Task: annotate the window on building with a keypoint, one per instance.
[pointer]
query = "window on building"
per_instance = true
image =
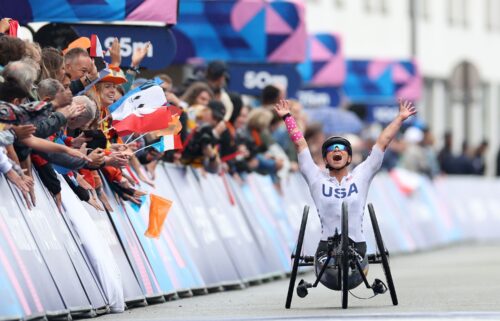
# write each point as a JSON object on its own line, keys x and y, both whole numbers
{"x": 458, "y": 13}
{"x": 492, "y": 14}
{"x": 376, "y": 6}
{"x": 422, "y": 9}
{"x": 340, "y": 4}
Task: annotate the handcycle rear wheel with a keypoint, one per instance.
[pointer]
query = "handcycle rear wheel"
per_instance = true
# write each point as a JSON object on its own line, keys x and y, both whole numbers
{"x": 296, "y": 257}
{"x": 383, "y": 254}
{"x": 345, "y": 256}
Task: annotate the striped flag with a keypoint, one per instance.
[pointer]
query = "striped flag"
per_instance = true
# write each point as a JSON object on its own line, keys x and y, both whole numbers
{"x": 168, "y": 142}
{"x": 97, "y": 53}
{"x": 141, "y": 110}
{"x": 95, "y": 47}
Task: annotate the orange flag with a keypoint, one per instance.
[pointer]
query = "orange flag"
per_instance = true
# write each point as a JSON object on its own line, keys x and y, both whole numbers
{"x": 158, "y": 211}
{"x": 174, "y": 127}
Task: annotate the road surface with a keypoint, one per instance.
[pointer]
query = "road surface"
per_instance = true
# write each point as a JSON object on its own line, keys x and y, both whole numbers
{"x": 457, "y": 282}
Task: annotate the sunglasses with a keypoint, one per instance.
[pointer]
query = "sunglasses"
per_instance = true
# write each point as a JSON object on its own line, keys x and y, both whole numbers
{"x": 333, "y": 147}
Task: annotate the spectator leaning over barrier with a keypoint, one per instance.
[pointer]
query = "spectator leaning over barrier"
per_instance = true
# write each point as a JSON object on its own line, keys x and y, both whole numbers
{"x": 118, "y": 154}
{"x": 33, "y": 51}
{"x": 51, "y": 89}
{"x": 80, "y": 67}
{"x": 330, "y": 189}
{"x": 9, "y": 168}
{"x": 200, "y": 145}
{"x": 237, "y": 122}
{"x": 197, "y": 97}
{"x": 52, "y": 64}
{"x": 228, "y": 149}
{"x": 83, "y": 186}
{"x": 25, "y": 140}
{"x": 20, "y": 77}
{"x": 16, "y": 88}
{"x": 11, "y": 49}
{"x": 247, "y": 161}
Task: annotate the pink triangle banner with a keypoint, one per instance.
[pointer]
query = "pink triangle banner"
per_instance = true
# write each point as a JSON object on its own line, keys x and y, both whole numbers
{"x": 243, "y": 12}
{"x": 377, "y": 68}
{"x": 318, "y": 51}
{"x": 333, "y": 74}
{"x": 275, "y": 23}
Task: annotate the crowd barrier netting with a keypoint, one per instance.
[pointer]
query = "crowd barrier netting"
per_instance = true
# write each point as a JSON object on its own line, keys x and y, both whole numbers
{"x": 220, "y": 233}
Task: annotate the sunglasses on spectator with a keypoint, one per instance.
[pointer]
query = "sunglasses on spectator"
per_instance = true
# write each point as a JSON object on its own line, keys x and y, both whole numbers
{"x": 333, "y": 147}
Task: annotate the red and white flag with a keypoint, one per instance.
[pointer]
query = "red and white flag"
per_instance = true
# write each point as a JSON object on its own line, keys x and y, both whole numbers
{"x": 140, "y": 111}
{"x": 95, "y": 47}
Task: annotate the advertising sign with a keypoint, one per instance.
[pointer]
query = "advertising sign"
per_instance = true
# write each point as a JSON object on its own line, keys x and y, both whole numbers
{"x": 318, "y": 97}
{"x": 250, "y": 79}
{"x": 160, "y": 54}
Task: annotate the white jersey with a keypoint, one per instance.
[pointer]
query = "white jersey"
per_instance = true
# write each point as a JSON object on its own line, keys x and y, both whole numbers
{"x": 328, "y": 194}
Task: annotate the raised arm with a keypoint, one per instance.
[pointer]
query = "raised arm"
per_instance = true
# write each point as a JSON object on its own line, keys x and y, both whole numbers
{"x": 406, "y": 109}
{"x": 283, "y": 110}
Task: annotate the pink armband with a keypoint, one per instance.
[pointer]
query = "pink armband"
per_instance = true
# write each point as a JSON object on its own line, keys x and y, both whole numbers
{"x": 293, "y": 131}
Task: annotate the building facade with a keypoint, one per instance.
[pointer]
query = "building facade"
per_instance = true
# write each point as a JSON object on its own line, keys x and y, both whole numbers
{"x": 456, "y": 44}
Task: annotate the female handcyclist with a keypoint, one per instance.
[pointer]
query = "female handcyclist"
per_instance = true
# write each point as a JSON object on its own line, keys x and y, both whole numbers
{"x": 331, "y": 187}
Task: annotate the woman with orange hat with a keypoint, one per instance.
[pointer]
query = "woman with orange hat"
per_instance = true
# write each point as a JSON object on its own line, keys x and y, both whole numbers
{"x": 105, "y": 94}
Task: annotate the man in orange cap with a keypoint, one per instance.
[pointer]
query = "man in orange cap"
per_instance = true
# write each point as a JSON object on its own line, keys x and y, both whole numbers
{"x": 82, "y": 42}
{"x": 80, "y": 68}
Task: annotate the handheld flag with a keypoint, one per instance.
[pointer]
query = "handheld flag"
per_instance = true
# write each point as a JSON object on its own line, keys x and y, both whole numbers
{"x": 141, "y": 110}
{"x": 13, "y": 26}
{"x": 96, "y": 52}
{"x": 95, "y": 47}
{"x": 174, "y": 127}
{"x": 158, "y": 211}
{"x": 168, "y": 142}
{"x": 143, "y": 121}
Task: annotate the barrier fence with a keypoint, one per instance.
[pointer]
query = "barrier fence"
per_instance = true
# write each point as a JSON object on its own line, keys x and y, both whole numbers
{"x": 219, "y": 234}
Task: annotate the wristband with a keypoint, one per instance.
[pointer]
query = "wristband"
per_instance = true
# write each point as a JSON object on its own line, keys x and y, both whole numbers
{"x": 293, "y": 131}
{"x": 285, "y": 116}
{"x": 13, "y": 132}
{"x": 134, "y": 69}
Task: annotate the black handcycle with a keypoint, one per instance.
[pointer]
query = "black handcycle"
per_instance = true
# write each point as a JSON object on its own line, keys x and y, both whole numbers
{"x": 341, "y": 268}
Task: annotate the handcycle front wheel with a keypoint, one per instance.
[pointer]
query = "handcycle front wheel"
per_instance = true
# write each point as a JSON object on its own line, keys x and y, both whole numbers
{"x": 296, "y": 257}
{"x": 383, "y": 254}
{"x": 345, "y": 256}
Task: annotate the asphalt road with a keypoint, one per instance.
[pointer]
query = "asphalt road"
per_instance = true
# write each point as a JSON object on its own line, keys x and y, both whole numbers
{"x": 461, "y": 282}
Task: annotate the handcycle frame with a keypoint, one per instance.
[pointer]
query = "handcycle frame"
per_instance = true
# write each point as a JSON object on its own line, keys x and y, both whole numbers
{"x": 344, "y": 256}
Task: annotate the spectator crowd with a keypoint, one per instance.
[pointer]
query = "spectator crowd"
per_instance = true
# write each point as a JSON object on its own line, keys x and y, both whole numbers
{"x": 55, "y": 119}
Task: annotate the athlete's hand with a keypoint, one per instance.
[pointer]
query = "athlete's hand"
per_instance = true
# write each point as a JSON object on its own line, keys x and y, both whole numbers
{"x": 282, "y": 108}
{"x": 406, "y": 109}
